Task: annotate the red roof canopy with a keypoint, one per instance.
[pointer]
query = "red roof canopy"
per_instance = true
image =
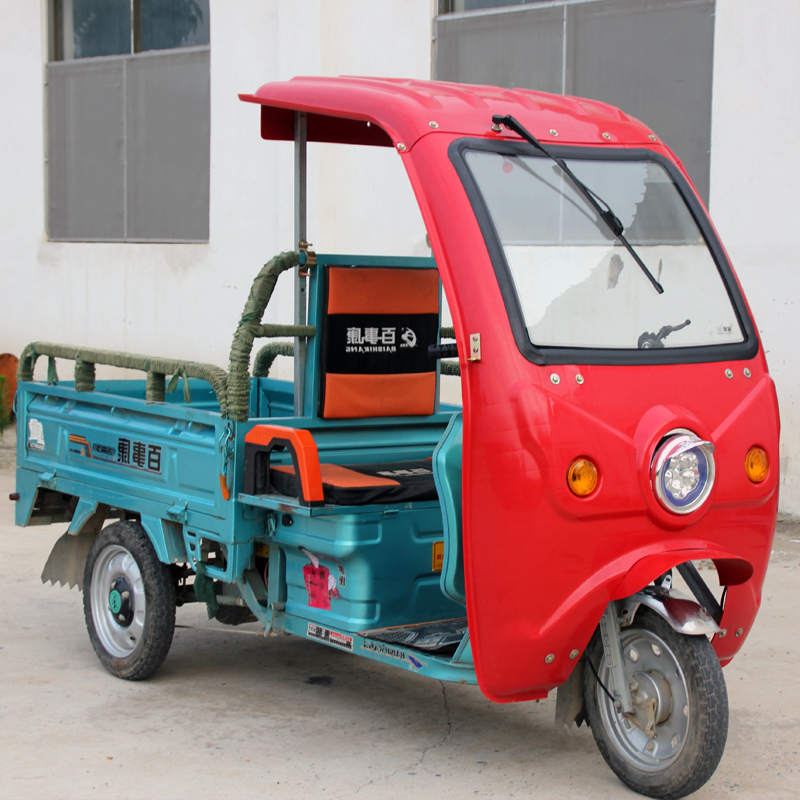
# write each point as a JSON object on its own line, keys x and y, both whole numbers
{"x": 388, "y": 111}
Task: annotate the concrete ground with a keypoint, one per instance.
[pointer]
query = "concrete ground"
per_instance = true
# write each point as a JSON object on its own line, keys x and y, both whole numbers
{"x": 232, "y": 714}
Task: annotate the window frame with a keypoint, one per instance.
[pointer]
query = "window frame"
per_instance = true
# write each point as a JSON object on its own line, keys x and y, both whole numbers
{"x": 55, "y": 49}
{"x": 65, "y": 232}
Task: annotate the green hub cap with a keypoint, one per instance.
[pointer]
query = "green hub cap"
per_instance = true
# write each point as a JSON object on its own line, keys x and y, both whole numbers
{"x": 120, "y": 601}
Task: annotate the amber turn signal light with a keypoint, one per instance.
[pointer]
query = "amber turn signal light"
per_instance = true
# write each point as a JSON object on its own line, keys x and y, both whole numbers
{"x": 756, "y": 464}
{"x": 582, "y": 477}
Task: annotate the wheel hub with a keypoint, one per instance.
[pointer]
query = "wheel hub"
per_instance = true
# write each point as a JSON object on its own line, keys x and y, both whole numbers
{"x": 117, "y": 601}
{"x": 120, "y": 602}
{"x": 651, "y": 686}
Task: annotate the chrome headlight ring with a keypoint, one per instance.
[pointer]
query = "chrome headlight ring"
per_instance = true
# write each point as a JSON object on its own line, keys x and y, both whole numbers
{"x": 683, "y": 471}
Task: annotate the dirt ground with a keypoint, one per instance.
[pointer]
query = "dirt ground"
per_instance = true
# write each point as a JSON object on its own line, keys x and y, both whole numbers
{"x": 233, "y": 714}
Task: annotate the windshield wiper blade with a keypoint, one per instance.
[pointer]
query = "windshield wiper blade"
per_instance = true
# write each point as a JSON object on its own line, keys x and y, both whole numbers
{"x": 603, "y": 211}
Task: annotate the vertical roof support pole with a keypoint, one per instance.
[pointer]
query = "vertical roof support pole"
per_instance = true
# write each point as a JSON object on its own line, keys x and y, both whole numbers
{"x": 300, "y": 305}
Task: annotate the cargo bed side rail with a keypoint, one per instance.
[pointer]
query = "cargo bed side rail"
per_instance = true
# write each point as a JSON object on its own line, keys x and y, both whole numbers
{"x": 156, "y": 368}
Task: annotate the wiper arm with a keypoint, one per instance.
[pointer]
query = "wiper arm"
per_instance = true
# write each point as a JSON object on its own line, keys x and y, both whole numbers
{"x": 649, "y": 341}
{"x": 603, "y": 211}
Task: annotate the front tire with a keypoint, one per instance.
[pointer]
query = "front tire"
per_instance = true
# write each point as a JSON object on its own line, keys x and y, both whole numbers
{"x": 683, "y": 676}
{"x": 128, "y": 602}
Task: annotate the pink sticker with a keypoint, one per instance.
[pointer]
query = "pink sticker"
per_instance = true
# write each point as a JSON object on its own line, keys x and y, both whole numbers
{"x": 317, "y": 586}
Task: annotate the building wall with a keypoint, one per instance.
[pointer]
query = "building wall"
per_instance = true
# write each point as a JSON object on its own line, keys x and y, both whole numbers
{"x": 184, "y": 300}
{"x": 755, "y": 172}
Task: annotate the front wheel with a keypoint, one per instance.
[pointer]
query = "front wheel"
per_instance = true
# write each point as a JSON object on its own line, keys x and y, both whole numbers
{"x": 128, "y": 602}
{"x": 673, "y": 743}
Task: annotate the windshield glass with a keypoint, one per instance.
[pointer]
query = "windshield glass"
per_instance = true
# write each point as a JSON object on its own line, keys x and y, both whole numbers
{"x": 576, "y": 283}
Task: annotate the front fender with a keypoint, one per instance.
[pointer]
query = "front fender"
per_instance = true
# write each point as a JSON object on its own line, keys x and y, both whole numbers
{"x": 571, "y": 626}
{"x": 683, "y": 614}
{"x": 650, "y": 566}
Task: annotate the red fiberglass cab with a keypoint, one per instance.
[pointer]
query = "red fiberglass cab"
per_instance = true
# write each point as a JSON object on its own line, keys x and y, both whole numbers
{"x": 619, "y": 421}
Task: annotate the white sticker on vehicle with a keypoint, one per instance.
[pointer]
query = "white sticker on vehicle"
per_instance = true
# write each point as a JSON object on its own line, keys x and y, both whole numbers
{"x": 35, "y": 434}
{"x": 330, "y": 637}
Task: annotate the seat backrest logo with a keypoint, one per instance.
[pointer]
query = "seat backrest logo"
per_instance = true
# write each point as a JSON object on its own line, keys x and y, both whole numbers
{"x": 409, "y": 338}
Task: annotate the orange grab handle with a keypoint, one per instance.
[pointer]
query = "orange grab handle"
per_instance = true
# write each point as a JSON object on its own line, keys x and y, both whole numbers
{"x": 304, "y": 452}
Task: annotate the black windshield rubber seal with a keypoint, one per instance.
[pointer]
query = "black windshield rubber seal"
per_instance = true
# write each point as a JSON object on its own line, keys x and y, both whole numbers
{"x": 542, "y": 355}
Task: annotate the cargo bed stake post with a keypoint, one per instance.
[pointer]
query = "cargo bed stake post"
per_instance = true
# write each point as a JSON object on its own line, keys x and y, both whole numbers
{"x": 300, "y": 313}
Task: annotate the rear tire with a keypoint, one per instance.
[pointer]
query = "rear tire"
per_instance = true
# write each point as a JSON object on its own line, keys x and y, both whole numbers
{"x": 128, "y": 602}
{"x": 682, "y": 674}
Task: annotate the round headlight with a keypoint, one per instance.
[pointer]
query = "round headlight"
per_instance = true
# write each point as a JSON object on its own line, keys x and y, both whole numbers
{"x": 683, "y": 472}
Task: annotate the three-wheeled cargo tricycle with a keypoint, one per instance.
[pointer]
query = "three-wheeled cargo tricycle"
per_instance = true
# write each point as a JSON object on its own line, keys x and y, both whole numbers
{"x": 618, "y": 424}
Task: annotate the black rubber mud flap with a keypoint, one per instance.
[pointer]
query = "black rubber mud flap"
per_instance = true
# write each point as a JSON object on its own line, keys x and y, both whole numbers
{"x": 570, "y": 700}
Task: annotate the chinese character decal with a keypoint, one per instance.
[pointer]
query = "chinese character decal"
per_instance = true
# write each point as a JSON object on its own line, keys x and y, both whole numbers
{"x": 139, "y": 454}
{"x": 124, "y": 451}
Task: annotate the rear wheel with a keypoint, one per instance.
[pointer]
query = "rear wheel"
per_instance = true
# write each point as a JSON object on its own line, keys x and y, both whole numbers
{"x": 673, "y": 743}
{"x": 128, "y": 602}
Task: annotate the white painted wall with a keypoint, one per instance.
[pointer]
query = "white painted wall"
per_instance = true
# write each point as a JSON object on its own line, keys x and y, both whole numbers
{"x": 184, "y": 301}
{"x": 755, "y": 174}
